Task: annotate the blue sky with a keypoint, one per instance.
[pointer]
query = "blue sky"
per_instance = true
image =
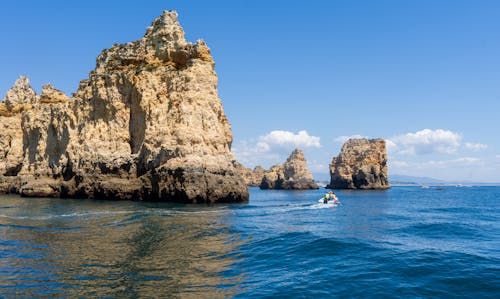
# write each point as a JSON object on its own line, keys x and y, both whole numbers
{"x": 424, "y": 75}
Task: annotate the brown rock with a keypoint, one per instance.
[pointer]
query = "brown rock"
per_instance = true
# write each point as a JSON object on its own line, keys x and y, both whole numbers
{"x": 146, "y": 124}
{"x": 52, "y": 95}
{"x": 252, "y": 177}
{"x": 293, "y": 174}
{"x": 18, "y": 100}
{"x": 362, "y": 164}
{"x": 256, "y": 176}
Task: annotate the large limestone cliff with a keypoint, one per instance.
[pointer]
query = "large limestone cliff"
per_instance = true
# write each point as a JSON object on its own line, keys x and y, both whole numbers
{"x": 146, "y": 124}
{"x": 362, "y": 164}
{"x": 293, "y": 174}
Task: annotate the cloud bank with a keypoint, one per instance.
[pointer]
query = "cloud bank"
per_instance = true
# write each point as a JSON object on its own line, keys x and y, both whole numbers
{"x": 475, "y": 147}
{"x": 289, "y": 139}
{"x": 273, "y": 147}
{"x": 438, "y": 153}
{"x": 425, "y": 142}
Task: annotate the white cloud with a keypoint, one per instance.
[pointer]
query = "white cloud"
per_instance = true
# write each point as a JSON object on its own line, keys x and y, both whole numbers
{"x": 316, "y": 166}
{"x": 343, "y": 139}
{"x": 475, "y": 146}
{"x": 289, "y": 139}
{"x": 463, "y": 161}
{"x": 391, "y": 145}
{"x": 497, "y": 156}
{"x": 273, "y": 147}
{"x": 252, "y": 153}
{"x": 400, "y": 164}
{"x": 425, "y": 142}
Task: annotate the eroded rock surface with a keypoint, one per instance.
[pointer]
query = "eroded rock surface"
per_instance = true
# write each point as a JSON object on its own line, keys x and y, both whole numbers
{"x": 253, "y": 177}
{"x": 362, "y": 164}
{"x": 293, "y": 174}
{"x": 146, "y": 124}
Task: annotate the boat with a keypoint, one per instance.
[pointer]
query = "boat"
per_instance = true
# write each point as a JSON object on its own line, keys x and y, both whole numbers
{"x": 330, "y": 202}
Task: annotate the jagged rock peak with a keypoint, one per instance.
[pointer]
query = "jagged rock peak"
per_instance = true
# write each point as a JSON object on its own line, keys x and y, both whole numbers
{"x": 52, "y": 95}
{"x": 297, "y": 154}
{"x": 293, "y": 174}
{"x": 163, "y": 45}
{"x": 295, "y": 167}
{"x": 166, "y": 26}
{"x": 20, "y": 93}
{"x": 258, "y": 169}
{"x": 361, "y": 164}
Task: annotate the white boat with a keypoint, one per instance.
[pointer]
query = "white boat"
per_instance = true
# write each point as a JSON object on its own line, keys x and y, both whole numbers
{"x": 330, "y": 202}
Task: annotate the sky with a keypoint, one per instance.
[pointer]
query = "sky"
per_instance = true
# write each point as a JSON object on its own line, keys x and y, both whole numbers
{"x": 422, "y": 74}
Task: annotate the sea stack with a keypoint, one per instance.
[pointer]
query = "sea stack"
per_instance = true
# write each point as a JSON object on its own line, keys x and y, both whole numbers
{"x": 292, "y": 175}
{"x": 147, "y": 124}
{"x": 362, "y": 164}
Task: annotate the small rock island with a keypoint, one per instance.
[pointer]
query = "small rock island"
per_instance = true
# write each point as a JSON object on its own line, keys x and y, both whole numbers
{"x": 361, "y": 164}
{"x": 147, "y": 124}
{"x": 291, "y": 175}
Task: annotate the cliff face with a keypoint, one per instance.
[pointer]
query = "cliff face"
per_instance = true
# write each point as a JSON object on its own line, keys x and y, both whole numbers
{"x": 293, "y": 174}
{"x": 146, "y": 124}
{"x": 362, "y": 164}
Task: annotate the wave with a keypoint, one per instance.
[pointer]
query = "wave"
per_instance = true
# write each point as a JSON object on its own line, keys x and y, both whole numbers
{"x": 285, "y": 208}
{"x": 359, "y": 268}
{"x": 443, "y": 230}
{"x": 68, "y": 215}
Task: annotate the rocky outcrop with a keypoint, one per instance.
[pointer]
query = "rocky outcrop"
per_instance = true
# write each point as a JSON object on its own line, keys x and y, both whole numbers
{"x": 19, "y": 100}
{"x": 52, "y": 95}
{"x": 362, "y": 164}
{"x": 256, "y": 176}
{"x": 293, "y": 174}
{"x": 147, "y": 124}
{"x": 251, "y": 177}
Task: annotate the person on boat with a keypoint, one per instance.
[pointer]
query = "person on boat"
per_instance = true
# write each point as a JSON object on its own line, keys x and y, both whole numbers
{"x": 334, "y": 197}
{"x": 326, "y": 198}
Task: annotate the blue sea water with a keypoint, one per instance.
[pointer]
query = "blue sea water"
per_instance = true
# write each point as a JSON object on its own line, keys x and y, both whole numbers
{"x": 403, "y": 242}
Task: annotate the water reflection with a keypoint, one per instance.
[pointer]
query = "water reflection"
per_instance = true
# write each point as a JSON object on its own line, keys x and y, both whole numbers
{"x": 63, "y": 248}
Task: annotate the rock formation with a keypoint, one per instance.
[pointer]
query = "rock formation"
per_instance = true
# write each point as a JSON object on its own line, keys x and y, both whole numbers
{"x": 147, "y": 124}
{"x": 253, "y": 177}
{"x": 256, "y": 176}
{"x": 293, "y": 174}
{"x": 18, "y": 100}
{"x": 362, "y": 164}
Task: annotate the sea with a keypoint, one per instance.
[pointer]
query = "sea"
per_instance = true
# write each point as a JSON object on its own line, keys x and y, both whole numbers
{"x": 405, "y": 242}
